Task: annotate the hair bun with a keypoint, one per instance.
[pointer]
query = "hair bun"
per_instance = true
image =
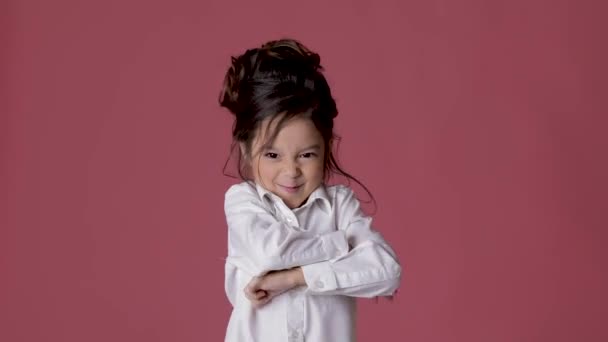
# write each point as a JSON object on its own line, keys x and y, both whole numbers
{"x": 236, "y": 79}
{"x": 284, "y": 54}
{"x": 292, "y": 51}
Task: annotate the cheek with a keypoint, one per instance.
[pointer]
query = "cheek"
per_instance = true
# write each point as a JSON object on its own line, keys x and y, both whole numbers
{"x": 265, "y": 171}
{"x": 315, "y": 170}
{"x": 256, "y": 169}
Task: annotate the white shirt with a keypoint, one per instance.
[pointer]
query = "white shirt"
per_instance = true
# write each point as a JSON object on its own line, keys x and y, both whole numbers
{"x": 329, "y": 236}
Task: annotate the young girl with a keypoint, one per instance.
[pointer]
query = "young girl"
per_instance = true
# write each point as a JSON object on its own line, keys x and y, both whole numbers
{"x": 299, "y": 251}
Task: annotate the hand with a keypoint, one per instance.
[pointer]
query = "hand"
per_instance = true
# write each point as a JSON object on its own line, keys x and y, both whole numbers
{"x": 261, "y": 290}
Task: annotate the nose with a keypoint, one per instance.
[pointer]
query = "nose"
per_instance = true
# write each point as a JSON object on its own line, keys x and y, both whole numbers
{"x": 292, "y": 169}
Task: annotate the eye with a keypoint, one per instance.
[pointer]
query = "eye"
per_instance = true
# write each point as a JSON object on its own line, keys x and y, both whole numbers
{"x": 308, "y": 155}
{"x": 271, "y": 155}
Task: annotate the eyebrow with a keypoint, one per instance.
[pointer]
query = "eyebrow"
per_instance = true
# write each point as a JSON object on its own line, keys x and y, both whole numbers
{"x": 312, "y": 147}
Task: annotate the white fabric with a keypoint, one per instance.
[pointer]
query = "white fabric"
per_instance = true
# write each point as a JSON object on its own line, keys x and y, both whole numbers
{"x": 341, "y": 257}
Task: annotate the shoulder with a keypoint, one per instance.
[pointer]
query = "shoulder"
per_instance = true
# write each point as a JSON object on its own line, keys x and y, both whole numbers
{"x": 341, "y": 195}
{"x": 339, "y": 190}
{"x": 240, "y": 194}
{"x": 243, "y": 188}
{"x": 345, "y": 205}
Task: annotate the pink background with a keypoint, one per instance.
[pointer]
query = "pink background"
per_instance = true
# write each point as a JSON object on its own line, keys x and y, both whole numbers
{"x": 479, "y": 126}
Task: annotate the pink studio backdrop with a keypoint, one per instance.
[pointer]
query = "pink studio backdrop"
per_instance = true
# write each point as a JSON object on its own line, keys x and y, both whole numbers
{"x": 479, "y": 126}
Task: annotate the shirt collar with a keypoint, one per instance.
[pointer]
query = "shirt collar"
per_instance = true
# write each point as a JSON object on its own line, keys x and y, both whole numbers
{"x": 319, "y": 193}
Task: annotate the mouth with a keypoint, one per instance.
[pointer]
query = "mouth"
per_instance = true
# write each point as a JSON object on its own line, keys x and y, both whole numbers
{"x": 290, "y": 189}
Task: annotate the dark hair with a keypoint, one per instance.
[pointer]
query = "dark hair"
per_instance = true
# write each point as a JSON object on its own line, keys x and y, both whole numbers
{"x": 280, "y": 80}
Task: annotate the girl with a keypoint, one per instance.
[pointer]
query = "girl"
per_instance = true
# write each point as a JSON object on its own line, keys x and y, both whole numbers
{"x": 299, "y": 251}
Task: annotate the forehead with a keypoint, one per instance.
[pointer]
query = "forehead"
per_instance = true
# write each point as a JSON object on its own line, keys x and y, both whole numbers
{"x": 295, "y": 132}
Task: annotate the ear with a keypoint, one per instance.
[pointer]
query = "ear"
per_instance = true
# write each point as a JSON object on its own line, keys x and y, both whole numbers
{"x": 243, "y": 149}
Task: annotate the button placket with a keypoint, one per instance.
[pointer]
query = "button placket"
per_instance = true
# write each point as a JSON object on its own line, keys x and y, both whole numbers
{"x": 296, "y": 336}
{"x": 295, "y": 317}
{"x": 286, "y": 217}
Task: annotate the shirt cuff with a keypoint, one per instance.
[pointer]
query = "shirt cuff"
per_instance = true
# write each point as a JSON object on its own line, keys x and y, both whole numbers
{"x": 335, "y": 244}
{"x": 319, "y": 277}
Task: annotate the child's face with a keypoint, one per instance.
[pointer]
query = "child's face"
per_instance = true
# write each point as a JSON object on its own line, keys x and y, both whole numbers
{"x": 292, "y": 167}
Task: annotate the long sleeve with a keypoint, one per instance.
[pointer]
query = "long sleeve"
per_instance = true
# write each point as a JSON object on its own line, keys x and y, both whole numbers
{"x": 259, "y": 243}
{"x": 369, "y": 269}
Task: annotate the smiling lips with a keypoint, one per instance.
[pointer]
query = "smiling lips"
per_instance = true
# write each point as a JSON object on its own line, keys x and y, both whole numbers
{"x": 290, "y": 189}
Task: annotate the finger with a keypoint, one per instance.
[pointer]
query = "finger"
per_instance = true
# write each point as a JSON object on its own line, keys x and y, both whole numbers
{"x": 253, "y": 285}
{"x": 260, "y": 302}
{"x": 256, "y": 296}
{"x": 264, "y": 301}
{"x": 259, "y": 294}
{"x": 251, "y": 295}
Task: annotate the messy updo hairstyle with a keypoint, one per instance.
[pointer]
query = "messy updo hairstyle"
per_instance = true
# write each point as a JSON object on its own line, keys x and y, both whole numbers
{"x": 281, "y": 79}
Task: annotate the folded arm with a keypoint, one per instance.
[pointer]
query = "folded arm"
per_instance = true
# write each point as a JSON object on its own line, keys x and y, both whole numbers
{"x": 369, "y": 269}
{"x": 259, "y": 243}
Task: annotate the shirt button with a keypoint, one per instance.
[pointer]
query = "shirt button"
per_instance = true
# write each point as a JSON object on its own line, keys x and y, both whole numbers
{"x": 319, "y": 284}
